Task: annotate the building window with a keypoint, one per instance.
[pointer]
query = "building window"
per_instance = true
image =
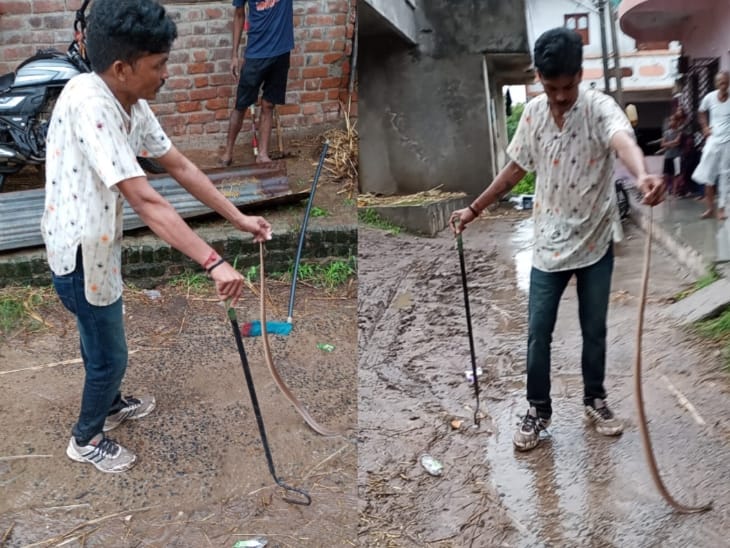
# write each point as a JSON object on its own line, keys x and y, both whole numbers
{"x": 579, "y": 23}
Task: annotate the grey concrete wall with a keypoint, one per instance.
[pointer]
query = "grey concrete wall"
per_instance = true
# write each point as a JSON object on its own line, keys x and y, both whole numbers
{"x": 423, "y": 117}
{"x": 398, "y": 13}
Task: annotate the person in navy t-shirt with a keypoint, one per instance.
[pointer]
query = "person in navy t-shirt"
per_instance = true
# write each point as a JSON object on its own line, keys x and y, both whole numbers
{"x": 264, "y": 63}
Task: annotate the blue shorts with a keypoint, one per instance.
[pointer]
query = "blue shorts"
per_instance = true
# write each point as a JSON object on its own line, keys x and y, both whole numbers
{"x": 271, "y": 72}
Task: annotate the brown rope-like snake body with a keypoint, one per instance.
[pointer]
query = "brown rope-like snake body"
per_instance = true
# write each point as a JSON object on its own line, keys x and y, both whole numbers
{"x": 272, "y": 368}
{"x": 643, "y": 425}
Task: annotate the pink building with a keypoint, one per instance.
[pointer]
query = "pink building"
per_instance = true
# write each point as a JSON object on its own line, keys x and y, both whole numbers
{"x": 701, "y": 26}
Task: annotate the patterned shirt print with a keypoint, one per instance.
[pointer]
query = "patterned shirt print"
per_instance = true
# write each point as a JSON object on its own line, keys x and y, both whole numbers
{"x": 574, "y": 210}
{"x": 92, "y": 145}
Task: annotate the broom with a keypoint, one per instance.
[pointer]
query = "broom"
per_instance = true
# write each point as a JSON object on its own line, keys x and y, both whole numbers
{"x": 253, "y": 329}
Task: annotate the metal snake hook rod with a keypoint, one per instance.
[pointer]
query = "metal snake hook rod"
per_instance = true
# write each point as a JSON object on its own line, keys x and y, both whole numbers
{"x": 643, "y": 426}
{"x": 303, "y": 497}
{"x": 460, "y": 248}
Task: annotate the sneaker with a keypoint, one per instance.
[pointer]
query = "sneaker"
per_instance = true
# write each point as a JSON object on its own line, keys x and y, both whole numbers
{"x": 528, "y": 434}
{"x": 134, "y": 408}
{"x": 603, "y": 418}
{"x": 104, "y": 453}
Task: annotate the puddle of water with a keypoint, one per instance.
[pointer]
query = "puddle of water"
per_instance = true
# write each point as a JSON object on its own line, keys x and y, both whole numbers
{"x": 523, "y": 257}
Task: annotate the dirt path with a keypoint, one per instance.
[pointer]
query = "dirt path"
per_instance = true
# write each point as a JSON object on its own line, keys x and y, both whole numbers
{"x": 202, "y": 478}
{"x": 576, "y": 488}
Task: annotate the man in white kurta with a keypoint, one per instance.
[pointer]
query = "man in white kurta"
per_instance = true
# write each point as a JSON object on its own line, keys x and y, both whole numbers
{"x": 568, "y": 137}
{"x": 714, "y": 167}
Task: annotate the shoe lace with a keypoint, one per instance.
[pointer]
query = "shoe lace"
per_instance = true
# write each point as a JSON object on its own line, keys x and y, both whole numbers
{"x": 131, "y": 401}
{"x": 107, "y": 447}
{"x": 604, "y": 412}
{"x": 529, "y": 423}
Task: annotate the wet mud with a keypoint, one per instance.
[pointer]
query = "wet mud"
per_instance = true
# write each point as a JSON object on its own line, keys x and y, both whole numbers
{"x": 201, "y": 477}
{"x": 576, "y": 488}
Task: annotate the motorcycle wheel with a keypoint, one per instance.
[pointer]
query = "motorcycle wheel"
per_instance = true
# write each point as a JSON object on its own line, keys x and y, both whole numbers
{"x": 150, "y": 165}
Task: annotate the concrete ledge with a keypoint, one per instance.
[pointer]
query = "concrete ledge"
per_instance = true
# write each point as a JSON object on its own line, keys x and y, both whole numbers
{"x": 426, "y": 219}
{"x": 148, "y": 261}
{"x": 706, "y": 303}
{"x": 688, "y": 256}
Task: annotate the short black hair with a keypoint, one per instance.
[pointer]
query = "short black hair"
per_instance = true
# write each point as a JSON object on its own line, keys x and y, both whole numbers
{"x": 125, "y": 30}
{"x": 559, "y": 52}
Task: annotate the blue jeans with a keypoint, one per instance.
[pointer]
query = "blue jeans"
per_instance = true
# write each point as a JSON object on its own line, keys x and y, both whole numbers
{"x": 546, "y": 289}
{"x": 103, "y": 350}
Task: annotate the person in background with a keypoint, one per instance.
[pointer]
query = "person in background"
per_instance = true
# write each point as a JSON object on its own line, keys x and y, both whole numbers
{"x": 100, "y": 124}
{"x": 670, "y": 143}
{"x": 714, "y": 167}
{"x": 568, "y": 136}
{"x": 265, "y": 63}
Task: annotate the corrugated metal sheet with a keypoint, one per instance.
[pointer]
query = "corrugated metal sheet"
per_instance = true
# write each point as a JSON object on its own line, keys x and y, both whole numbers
{"x": 21, "y": 211}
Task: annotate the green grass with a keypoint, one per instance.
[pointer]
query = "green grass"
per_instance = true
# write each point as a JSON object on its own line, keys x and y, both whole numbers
{"x": 191, "y": 281}
{"x": 318, "y": 212}
{"x": 18, "y": 308}
{"x": 370, "y": 217}
{"x": 325, "y": 275}
{"x": 710, "y": 277}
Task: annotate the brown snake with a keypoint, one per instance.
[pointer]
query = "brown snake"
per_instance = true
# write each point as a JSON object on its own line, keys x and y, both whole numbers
{"x": 643, "y": 425}
{"x": 270, "y": 361}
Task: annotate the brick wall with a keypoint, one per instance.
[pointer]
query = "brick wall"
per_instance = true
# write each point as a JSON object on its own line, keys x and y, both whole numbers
{"x": 195, "y": 103}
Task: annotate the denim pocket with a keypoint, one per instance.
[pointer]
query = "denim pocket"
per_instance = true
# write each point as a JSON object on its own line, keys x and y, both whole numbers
{"x": 66, "y": 289}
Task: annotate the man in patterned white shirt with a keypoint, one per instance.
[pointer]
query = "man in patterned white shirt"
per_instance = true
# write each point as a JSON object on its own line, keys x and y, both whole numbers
{"x": 100, "y": 124}
{"x": 568, "y": 137}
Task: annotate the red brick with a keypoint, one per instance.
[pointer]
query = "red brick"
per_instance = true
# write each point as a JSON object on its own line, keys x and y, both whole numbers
{"x": 188, "y": 106}
{"x": 200, "y": 81}
{"x": 180, "y": 96}
{"x": 48, "y": 6}
{"x": 216, "y": 13}
{"x": 296, "y": 61}
{"x": 337, "y": 32}
{"x": 328, "y": 83}
{"x": 315, "y": 34}
{"x": 201, "y": 117}
{"x": 318, "y": 45}
{"x": 213, "y": 128}
{"x": 312, "y": 96}
{"x": 179, "y": 83}
{"x": 285, "y": 110}
{"x": 15, "y": 7}
{"x": 204, "y": 93}
{"x": 194, "y": 129}
{"x": 200, "y": 68}
{"x": 311, "y": 85}
{"x": 329, "y": 58}
{"x": 314, "y": 72}
{"x": 200, "y": 56}
{"x": 319, "y": 20}
{"x": 310, "y": 108}
{"x": 215, "y": 104}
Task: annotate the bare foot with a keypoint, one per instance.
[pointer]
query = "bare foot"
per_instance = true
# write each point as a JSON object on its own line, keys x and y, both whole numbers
{"x": 707, "y": 214}
{"x": 721, "y": 215}
{"x": 263, "y": 159}
{"x": 225, "y": 160}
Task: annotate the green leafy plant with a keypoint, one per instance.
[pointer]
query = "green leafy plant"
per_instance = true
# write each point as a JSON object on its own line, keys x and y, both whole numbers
{"x": 319, "y": 212}
{"x": 252, "y": 273}
{"x": 526, "y": 185}
{"x": 370, "y": 217}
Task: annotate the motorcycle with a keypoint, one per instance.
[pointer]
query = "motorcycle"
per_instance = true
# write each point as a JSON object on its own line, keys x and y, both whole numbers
{"x": 27, "y": 97}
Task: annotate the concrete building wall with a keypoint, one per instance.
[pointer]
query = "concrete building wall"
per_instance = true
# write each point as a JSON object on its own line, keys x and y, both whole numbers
{"x": 196, "y": 100}
{"x": 423, "y": 117}
{"x": 400, "y": 14}
{"x": 708, "y": 35}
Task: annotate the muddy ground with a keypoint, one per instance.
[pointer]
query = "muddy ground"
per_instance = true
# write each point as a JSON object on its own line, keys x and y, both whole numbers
{"x": 202, "y": 477}
{"x": 576, "y": 488}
